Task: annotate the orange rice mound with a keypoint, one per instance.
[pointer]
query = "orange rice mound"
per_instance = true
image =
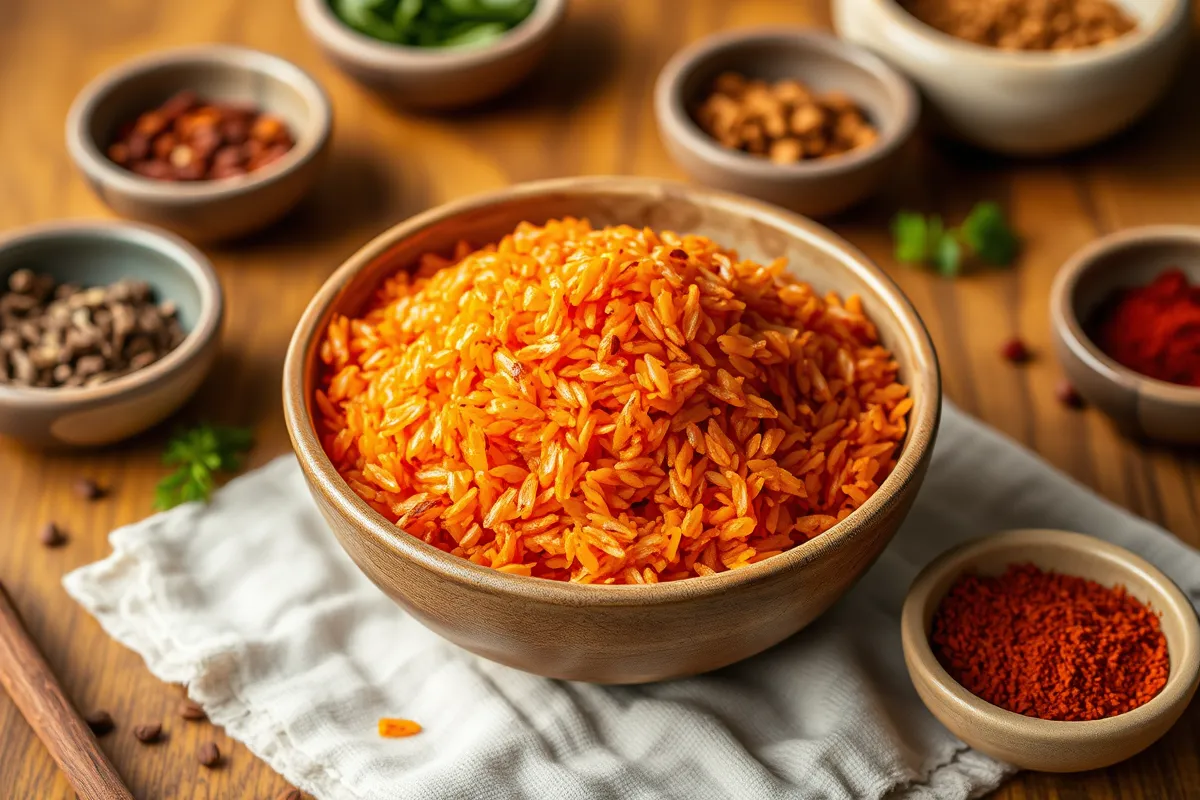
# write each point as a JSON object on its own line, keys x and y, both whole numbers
{"x": 608, "y": 406}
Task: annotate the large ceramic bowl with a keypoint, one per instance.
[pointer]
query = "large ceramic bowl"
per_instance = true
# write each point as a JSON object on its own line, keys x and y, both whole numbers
{"x": 618, "y": 634}
{"x": 1027, "y": 103}
{"x": 94, "y": 253}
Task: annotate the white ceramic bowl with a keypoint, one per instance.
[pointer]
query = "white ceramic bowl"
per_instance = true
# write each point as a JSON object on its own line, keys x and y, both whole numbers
{"x": 1027, "y": 103}
{"x": 1138, "y": 404}
{"x": 431, "y": 77}
{"x": 817, "y": 187}
{"x": 1041, "y": 744}
{"x": 214, "y": 209}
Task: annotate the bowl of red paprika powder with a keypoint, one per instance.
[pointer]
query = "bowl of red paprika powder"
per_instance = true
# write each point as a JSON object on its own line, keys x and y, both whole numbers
{"x": 1051, "y": 650}
{"x": 1125, "y": 312}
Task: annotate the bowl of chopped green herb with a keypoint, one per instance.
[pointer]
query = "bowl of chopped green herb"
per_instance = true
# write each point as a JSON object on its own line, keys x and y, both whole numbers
{"x": 434, "y": 54}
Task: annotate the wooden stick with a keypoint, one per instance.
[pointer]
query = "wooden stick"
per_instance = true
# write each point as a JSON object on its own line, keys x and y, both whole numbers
{"x": 28, "y": 680}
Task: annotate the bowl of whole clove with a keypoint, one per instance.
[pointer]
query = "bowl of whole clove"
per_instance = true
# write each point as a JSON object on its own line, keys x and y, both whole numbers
{"x": 105, "y": 330}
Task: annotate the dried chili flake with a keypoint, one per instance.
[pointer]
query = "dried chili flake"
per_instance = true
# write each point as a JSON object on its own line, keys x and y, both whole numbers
{"x": 1050, "y": 646}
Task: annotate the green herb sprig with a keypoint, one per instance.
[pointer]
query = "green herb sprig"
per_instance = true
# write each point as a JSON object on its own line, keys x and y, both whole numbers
{"x": 984, "y": 235}
{"x": 198, "y": 454}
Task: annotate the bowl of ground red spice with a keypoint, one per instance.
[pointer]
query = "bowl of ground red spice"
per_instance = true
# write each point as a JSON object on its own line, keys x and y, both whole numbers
{"x": 1027, "y": 77}
{"x": 1125, "y": 313}
{"x": 1051, "y": 650}
{"x": 211, "y": 141}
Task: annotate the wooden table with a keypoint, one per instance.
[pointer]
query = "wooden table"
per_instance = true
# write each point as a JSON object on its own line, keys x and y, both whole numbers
{"x": 587, "y": 112}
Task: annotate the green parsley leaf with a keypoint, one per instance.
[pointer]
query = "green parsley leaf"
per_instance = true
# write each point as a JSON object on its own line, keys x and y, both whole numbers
{"x": 948, "y": 257}
{"x": 986, "y": 232}
{"x": 198, "y": 454}
{"x": 984, "y": 235}
{"x": 911, "y": 234}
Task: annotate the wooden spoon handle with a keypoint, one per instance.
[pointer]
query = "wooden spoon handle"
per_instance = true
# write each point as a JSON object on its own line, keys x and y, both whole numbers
{"x": 28, "y": 680}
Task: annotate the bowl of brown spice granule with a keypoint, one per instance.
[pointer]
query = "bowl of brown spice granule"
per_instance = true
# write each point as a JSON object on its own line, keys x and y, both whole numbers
{"x": 792, "y": 116}
{"x": 1027, "y": 77}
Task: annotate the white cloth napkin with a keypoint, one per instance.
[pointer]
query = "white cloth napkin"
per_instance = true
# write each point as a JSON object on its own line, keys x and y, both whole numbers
{"x": 251, "y": 602}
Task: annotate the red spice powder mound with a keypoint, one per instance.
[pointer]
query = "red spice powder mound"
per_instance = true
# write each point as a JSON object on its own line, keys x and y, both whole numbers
{"x": 1049, "y": 645}
{"x": 1155, "y": 329}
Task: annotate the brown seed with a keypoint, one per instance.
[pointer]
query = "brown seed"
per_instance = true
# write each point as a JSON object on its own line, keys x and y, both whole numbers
{"x": 235, "y": 129}
{"x": 158, "y": 170}
{"x": 786, "y": 151}
{"x": 180, "y": 103}
{"x": 267, "y": 129}
{"x": 118, "y": 152}
{"x": 150, "y": 124}
{"x": 88, "y": 489}
{"x": 290, "y": 794}
{"x": 139, "y": 146}
{"x": 1067, "y": 394}
{"x": 52, "y": 536}
{"x": 807, "y": 119}
{"x": 101, "y": 722}
{"x": 229, "y": 156}
{"x": 208, "y": 755}
{"x": 181, "y": 156}
{"x": 1015, "y": 351}
{"x": 272, "y": 154}
{"x": 191, "y": 710}
{"x": 165, "y": 145}
{"x": 148, "y": 734}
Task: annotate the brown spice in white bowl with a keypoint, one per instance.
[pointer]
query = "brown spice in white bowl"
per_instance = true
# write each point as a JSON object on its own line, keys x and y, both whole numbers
{"x": 785, "y": 121}
{"x": 1025, "y": 24}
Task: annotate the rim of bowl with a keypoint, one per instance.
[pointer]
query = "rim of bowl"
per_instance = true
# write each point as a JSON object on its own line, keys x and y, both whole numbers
{"x": 319, "y": 19}
{"x": 192, "y": 262}
{"x": 1146, "y": 35}
{"x": 1067, "y": 320}
{"x": 1185, "y": 670}
{"x": 323, "y": 476}
{"x": 310, "y": 139}
{"x": 672, "y": 105}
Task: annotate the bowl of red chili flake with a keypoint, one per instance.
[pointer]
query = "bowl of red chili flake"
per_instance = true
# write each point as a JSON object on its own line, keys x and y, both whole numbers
{"x": 1125, "y": 312}
{"x": 1051, "y": 650}
{"x": 211, "y": 141}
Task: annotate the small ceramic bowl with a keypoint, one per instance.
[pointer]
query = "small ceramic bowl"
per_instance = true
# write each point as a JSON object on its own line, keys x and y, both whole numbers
{"x": 617, "y": 634}
{"x": 1027, "y": 103}
{"x": 98, "y": 253}
{"x": 817, "y": 187}
{"x": 430, "y": 77}
{"x": 202, "y": 210}
{"x": 1038, "y": 744}
{"x": 1140, "y": 405}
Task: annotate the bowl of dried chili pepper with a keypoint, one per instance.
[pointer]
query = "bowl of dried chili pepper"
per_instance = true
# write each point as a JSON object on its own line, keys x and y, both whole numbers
{"x": 1051, "y": 650}
{"x": 210, "y": 141}
{"x": 1125, "y": 312}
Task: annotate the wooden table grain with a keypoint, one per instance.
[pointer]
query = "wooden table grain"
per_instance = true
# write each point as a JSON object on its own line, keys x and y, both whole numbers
{"x": 588, "y": 111}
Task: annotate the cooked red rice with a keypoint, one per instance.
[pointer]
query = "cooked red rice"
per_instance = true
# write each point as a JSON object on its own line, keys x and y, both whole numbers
{"x": 609, "y": 406}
